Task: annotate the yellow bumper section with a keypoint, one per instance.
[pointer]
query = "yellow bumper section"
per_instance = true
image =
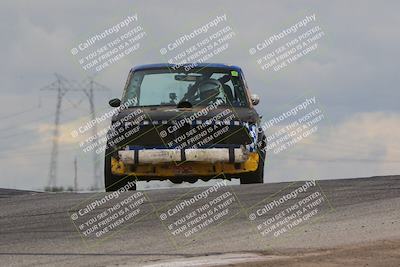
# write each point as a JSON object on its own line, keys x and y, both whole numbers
{"x": 187, "y": 168}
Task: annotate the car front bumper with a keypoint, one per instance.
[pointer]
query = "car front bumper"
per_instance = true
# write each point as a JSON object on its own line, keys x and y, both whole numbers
{"x": 159, "y": 164}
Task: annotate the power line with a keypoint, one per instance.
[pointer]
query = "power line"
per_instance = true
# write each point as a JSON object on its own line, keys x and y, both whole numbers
{"x": 89, "y": 92}
{"x": 88, "y": 86}
{"x": 61, "y": 91}
{"x": 18, "y": 113}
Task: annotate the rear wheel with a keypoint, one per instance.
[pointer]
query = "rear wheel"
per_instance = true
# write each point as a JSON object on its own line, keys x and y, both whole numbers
{"x": 257, "y": 176}
{"x": 114, "y": 182}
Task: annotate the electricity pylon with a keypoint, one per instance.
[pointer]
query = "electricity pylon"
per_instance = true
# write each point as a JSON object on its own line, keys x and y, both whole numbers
{"x": 61, "y": 91}
{"x": 62, "y": 86}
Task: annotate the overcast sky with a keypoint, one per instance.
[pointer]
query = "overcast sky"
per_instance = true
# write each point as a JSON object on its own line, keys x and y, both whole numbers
{"x": 353, "y": 74}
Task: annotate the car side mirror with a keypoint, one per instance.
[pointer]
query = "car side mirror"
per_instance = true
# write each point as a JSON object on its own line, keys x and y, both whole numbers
{"x": 255, "y": 99}
{"x": 115, "y": 102}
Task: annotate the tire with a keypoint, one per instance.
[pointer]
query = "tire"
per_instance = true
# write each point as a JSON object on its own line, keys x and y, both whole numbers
{"x": 257, "y": 176}
{"x": 113, "y": 182}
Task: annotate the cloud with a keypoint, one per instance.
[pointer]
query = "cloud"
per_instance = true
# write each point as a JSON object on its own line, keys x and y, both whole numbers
{"x": 353, "y": 74}
{"x": 365, "y": 144}
{"x": 67, "y": 129}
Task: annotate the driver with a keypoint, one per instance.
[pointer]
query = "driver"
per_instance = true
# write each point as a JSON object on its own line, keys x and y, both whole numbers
{"x": 208, "y": 92}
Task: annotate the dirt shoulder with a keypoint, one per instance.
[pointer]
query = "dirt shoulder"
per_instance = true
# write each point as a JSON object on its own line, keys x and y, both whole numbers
{"x": 379, "y": 253}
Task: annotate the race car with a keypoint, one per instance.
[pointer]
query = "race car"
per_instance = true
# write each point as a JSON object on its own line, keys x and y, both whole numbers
{"x": 184, "y": 123}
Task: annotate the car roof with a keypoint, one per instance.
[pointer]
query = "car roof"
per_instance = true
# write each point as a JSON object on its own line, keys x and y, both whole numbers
{"x": 198, "y": 65}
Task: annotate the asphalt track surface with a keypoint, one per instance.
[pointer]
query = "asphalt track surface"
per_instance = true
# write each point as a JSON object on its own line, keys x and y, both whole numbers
{"x": 358, "y": 223}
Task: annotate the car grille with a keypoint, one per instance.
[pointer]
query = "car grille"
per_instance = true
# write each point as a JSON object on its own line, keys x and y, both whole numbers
{"x": 167, "y": 135}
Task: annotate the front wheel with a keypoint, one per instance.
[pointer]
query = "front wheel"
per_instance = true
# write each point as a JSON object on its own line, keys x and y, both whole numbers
{"x": 257, "y": 176}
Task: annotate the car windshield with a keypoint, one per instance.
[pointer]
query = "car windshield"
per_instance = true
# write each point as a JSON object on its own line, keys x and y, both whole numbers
{"x": 164, "y": 87}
